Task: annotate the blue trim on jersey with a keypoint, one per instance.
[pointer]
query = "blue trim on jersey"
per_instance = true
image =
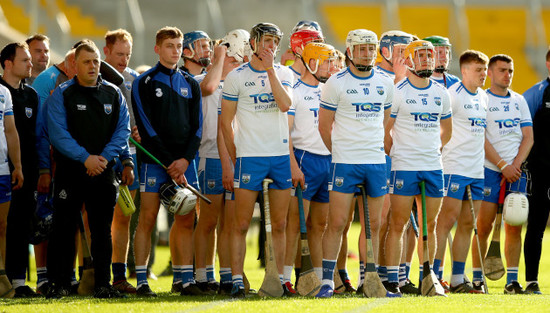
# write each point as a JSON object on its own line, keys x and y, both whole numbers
{"x": 507, "y": 95}
{"x": 226, "y": 97}
{"x": 462, "y": 87}
{"x": 362, "y": 78}
{"x": 8, "y": 113}
{"x": 525, "y": 124}
{"x": 385, "y": 71}
{"x": 418, "y": 88}
{"x": 387, "y": 106}
{"x": 444, "y": 117}
{"x": 300, "y": 81}
{"x": 253, "y": 69}
{"x": 325, "y": 106}
{"x": 393, "y": 115}
{"x": 403, "y": 84}
{"x": 292, "y": 69}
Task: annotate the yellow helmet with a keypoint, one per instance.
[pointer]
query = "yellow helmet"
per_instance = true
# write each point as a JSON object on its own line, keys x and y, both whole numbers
{"x": 320, "y": 52}
{"x": 411, "y": 52}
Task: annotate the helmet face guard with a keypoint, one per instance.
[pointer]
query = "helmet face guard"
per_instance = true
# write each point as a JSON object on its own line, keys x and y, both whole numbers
{"x": 361, "y": 45}
{"x": 420, "y": 54}
{"x": 177, "y": 200}
{"x": 200, "y": 45}
{"x": 325, "y": 58}
{"x": 442, "y": 52}
{"x": 260, "y": 31}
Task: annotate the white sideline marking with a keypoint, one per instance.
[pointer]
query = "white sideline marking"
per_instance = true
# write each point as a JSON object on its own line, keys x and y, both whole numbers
{"x": 369, "y": 306}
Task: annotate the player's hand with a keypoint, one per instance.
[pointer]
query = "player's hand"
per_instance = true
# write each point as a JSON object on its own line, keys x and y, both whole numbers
{"x": 297, "y": 176}
{"x": 180, "y": 180}
{"x": 135, "y": 134}
{"x": 44, "y": 182}
{"x": 95, "y": 165}
{"x": 511, "y": 173}
{"x": 17, "y": 178}
{"x": 266, "y": 57}
{"x": 228, "y": 177}
{"x": 219, "y": 53}
{"x": 399, "y": 67}
{"x": 177, "y": 168}
{"x": 127, "y": 176}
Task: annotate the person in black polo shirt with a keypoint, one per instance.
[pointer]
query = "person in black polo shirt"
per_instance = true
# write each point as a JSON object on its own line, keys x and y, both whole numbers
{"x": 88, "y": 125}
{"x": 16, "y": 62}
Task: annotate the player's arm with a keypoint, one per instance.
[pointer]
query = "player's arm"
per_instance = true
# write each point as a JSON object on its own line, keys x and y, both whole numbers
{"x": 297, "y": 175}
{"x": 43, "y": 150}
{"x": 446, "y": 127}
{"x": 281, "y": 94}
{"x": 14, "y": 152}
{"x": 510, "y": 172}
{"x": 212, "y": 79}
{"x": 225, "y": 159}
{"x": 326, "y": 119}
{"x": 229, "y": 109}
{"x": 525, "y": 147}
{"x": 388, "y": 140}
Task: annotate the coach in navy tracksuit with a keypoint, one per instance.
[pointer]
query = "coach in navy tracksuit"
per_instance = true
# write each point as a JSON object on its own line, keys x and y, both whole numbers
{"x": 88, "y": 124}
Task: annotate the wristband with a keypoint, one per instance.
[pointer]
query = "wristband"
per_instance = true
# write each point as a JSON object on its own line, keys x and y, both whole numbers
{"x": 269, "y": 68}
{"x": 128, "y": 163}
{"x": 498, "y": 163}
{"x": 502, "y": 168}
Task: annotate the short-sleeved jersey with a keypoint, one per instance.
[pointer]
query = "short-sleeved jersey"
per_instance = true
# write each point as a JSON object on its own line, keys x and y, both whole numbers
{"x": 305, "y": 109}
{"x": 359, "y": 102}
{"x": 448, "y": 81}
{"x": 388, "y": 73}
{"x": 295, "y": 74}
{"x": 126, "y": 88}
{"x": 464, "y": 154}
{"x": 416, "y": 132}
{"x": 505, "y": 118}
{"x": 210, "y": 104}
{"x": 261, "y": 129}
{"x": 6, "y": 108}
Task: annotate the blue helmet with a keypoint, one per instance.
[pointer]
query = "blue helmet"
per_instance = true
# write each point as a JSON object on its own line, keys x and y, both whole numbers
{"x": 391, "y": 38}
{"x": 189, "y": 40}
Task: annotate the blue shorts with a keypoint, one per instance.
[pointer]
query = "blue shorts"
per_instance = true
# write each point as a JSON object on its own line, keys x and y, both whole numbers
{"x": 118, "y": 169}
{"x": 455, "y": 187}
{"x": 5, "y": 188}
{"x": 388, "y": 168}
{"x": 491, "y": 189}
{"x": 152, "y": 177}
{"x": 316, "y": 169}
{"x": 210, "y": 176}
{"x": 251, "y": 171}
{"x": 406, "y": 183}
{"x": 346, "y": 177}
{"x": 191, "y": 175}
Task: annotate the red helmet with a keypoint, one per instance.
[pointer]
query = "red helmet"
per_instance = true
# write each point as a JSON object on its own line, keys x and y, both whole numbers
{"x": 302, "y": 37}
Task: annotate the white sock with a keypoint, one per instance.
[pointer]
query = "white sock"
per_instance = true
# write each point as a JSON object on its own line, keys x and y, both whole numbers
{"x": 319, "y": 272}
{"x": 329, "y": 282}
{"x": 18, "y": 283}
{"x": 287, "y": 273}
{"x": 457, "y": 279}
{"x": 200, "y": 275}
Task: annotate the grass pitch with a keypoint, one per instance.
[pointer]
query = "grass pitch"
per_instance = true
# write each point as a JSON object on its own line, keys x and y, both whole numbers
{"x": 167, "y": 302}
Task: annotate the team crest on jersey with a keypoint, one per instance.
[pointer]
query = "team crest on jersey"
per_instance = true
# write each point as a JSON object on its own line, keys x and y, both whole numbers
{"x": 184, "y": 91}
{"x": 63, "y": 194}
{"x": 339, "y": 181}
{"x": 128, "y": 85}
{"x": 158, "y": 92}
{"x": 487, "y": 191}
{"x": 380, "y": 90}
{"x": 245, "y": 178}
{"x": 398, "y": 183}
{"x": 151, "y": 181}
{"x": 437, "y": 101}
{"x": 517, "y": 106}
{"x": 2, "y": 99}
{"x": 454, "y": 187}
{"x": 211, "y": 183}
{"x": 28, "y": 112}
{"x": 108, "y": 108}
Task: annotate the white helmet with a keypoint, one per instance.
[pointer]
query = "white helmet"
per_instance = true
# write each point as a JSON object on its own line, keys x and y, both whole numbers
{"x": 238, "y": 44}
{"x": 177, "y": 200}
{"x": 516, "y": 209}
{"x": 361, "y": 37}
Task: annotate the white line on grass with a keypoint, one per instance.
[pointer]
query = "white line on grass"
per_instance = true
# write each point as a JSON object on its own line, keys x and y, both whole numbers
{"x": 206, "y": 306}
{"x": 369, "y": 306}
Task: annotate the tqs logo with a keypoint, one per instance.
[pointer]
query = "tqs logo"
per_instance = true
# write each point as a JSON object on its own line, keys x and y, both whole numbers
{"x": 263, "y": 97}
{"x": 476, "y": 121}
{"x": 507, "y": 123}
{"x": 367, "y": 107}
{"x": 425, "y": 116}
{"x": 315, "y": 112}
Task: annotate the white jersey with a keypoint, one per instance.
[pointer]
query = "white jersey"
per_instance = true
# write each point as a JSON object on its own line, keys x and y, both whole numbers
{"x": 416, "y": 132}
{"x": 359, "y": 102}
{"x": 209, "y": 143}
{"x": 295, "y": 74}
{"x": 388, "y": 73}
{"x": 6, "y": 108}
{"x": 305, "y": 109}
{"x": 261, "y": 128}
{"x": 505, "y": 118}
{"x": 464, "y": 154}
